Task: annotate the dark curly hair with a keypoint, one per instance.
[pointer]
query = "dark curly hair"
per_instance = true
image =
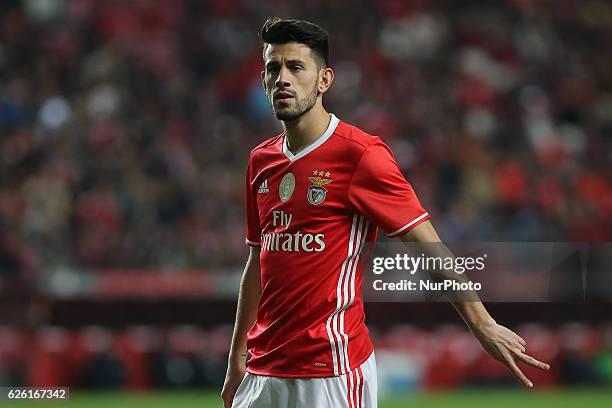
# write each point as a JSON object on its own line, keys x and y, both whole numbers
{"x": 278, "y": 31}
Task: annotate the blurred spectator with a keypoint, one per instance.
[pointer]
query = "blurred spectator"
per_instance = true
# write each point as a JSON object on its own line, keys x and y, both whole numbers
{"x": 125, "y": 126}
{"x": 604, "y": 358}
{"x": 101, "y": 368}
{"x": 580, "y": 344}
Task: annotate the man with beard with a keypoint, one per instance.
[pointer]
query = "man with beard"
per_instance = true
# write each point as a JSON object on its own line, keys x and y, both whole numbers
{"x": 315, "y": 195}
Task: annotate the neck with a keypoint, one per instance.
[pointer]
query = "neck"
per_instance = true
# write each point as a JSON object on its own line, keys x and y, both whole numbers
{"x": 305, "y": 130}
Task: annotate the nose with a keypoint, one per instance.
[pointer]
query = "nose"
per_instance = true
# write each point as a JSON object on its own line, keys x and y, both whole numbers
{"x": 281, "y": 79}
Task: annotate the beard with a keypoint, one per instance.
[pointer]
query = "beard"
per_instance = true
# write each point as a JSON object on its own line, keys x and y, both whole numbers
{"x": 302, "y": 106}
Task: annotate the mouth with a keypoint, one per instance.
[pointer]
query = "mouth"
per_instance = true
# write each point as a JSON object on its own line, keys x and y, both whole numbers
{"x": 282, "y": 96}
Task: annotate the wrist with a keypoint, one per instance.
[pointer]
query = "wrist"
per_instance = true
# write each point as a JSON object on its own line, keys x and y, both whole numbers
{"x": 483, "y": 324}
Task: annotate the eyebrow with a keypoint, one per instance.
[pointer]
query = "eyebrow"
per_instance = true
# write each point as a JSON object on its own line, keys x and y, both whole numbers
{"x": 289, "y": 62}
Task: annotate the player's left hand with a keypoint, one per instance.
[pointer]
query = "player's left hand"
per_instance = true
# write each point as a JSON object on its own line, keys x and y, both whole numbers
{"x": 508, "y": 347}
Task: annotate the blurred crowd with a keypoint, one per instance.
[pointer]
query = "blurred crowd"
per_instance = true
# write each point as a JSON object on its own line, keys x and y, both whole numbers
{"x": 125, "y": 126}
{"x": 408, "y": 358}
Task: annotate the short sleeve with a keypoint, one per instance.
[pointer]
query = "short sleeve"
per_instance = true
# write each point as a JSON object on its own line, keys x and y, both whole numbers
{"x": 253, "y": 229}
{"x": 382, "y": 194}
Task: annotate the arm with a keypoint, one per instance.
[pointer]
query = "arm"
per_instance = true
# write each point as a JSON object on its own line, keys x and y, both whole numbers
{"x": 500, "y": 342}
{"x": 246, "y": 312}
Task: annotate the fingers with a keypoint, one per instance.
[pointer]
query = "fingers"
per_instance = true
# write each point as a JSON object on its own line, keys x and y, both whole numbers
{"x": 506, "y": 346}
{"x": 520, "y": 353}
{"x": 509, "y": 360}
{"x": 518, "y": 339}
{"x": 516, "y": 344}
{"x": 532, "y": 361}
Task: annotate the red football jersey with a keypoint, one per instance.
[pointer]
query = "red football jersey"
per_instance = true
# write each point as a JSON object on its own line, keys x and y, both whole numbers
{"x": 312, "y": 213}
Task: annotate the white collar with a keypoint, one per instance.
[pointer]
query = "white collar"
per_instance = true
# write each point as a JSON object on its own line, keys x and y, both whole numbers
{"x": 333, "y": 123}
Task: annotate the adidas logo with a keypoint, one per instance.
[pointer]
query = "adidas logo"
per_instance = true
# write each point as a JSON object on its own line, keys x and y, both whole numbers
{"x": 263, "y": 188}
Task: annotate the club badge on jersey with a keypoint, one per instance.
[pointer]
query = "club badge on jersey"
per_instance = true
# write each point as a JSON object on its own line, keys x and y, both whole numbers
{"x": 316, "y": 193}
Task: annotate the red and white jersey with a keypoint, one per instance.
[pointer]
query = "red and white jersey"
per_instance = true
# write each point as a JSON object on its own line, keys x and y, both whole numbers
{"x": 312, "y": 213}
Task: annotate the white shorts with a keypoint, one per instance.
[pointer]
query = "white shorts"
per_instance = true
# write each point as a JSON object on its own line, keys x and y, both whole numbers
{"x": 356, "y": 389}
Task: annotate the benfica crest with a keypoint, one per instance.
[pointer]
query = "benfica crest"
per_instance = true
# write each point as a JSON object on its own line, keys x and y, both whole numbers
{"x": 316, "y": 193}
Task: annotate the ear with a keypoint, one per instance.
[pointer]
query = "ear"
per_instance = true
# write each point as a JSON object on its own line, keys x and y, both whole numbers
{"x": 326, "y": 77}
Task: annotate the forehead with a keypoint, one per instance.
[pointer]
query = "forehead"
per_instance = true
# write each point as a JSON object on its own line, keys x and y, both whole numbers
{"x": 288, "y": 51}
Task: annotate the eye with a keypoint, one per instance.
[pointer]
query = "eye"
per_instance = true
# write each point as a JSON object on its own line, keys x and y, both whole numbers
{"x": 296, "y": 68}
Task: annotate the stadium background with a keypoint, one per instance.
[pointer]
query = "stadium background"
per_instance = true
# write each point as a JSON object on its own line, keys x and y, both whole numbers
{"x": 124, "y": 131}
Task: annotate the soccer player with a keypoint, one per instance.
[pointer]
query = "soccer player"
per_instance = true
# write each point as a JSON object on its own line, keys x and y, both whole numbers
{"x": 315, "y": 195}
